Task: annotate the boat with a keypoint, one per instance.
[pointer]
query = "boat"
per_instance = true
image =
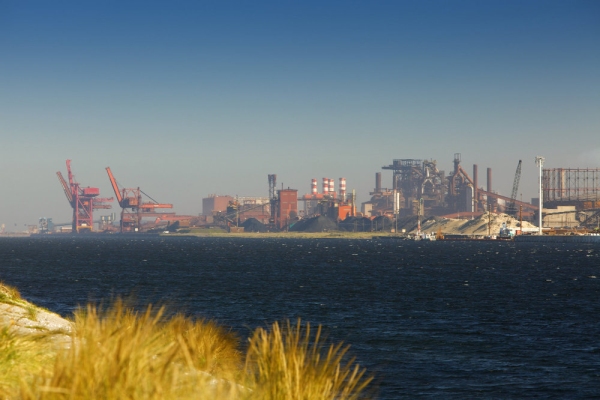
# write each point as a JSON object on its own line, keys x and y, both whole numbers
{"x": 425, "y": 236}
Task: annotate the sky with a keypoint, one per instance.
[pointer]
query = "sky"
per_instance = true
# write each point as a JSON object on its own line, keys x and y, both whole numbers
{"x": 188, "y": 99}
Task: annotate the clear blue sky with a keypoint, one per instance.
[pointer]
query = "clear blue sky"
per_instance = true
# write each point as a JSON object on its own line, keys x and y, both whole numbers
{"x": 185, "y": 99}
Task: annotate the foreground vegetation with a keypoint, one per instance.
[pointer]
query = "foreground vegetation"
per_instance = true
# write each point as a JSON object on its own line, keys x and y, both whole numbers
{"x": 120, "y": 353}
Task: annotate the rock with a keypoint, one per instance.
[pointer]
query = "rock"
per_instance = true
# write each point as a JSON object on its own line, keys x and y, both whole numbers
{"x": 24, "y": 318}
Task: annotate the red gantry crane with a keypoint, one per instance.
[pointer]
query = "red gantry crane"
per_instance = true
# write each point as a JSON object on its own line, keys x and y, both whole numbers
{"x": 132, "y": 207}
{"x": 83, "y": 200}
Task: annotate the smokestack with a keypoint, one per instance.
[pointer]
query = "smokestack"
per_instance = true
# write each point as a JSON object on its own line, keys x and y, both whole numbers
{"x": 489, "y": 180}
{"x": 378, "y": 182}
{"x": 342, "y": 189}
{"x": 331, "y": 187}
{"x": 476, "y": 188}
{"x": 325, "y": 186}
{"x": 313, "y": 187}
{"x": 272, "y": 185}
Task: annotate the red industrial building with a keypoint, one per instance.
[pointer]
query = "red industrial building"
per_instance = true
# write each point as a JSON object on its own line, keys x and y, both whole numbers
{"x": 287, "y": 207}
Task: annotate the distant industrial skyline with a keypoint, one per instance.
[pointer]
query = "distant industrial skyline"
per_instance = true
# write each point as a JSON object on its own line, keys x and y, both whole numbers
{"x": 190, "y": 99}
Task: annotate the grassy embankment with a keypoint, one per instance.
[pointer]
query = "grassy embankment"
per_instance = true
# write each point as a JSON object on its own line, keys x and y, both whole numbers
{"x": 200, "y": 232}
{"x": 120, "y": 353}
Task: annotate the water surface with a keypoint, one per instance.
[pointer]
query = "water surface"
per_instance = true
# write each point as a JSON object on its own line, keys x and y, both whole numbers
{"x": 428, "y": 319}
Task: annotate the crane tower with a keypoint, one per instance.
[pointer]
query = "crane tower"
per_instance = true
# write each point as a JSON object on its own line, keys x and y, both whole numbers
{"x": 133, "y": 209}
{"x": 83, "y": 200}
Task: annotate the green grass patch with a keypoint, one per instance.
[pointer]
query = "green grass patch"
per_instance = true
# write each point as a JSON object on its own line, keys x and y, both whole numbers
{"x": 31, "y": 312}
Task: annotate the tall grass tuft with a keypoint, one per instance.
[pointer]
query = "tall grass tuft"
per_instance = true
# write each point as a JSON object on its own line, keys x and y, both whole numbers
{"x": 21, "y": 359}
{"x": 9, "y": 294}
{"x": 121, "y": 353}
{"x": 292, "y": 362}
{"x": 125, "y": 354}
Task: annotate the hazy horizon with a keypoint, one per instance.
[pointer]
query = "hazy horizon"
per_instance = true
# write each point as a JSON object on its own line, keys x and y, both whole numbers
{"x": 189, "y": 99}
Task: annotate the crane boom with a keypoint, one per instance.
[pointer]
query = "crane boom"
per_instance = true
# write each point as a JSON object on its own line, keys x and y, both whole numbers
{"x": 65, "y": 186}
{"x": 115, "y": 187}
{"x": 512, "y": 210}
{"x": 133, "y": 209}
{"x": 72, "y": 183}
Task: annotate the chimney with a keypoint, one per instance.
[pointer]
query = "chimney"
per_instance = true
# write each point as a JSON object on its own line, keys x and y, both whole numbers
{"x": 476, "y": 188}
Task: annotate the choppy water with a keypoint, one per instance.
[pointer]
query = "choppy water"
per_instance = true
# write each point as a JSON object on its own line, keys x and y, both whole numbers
{"x": 428, "y": 319}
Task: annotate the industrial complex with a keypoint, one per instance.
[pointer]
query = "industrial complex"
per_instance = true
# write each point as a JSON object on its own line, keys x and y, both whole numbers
{"x": 418, "y": 189}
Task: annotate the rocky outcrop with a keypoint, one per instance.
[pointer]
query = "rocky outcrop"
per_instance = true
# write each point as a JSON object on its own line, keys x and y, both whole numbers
{"x": 23, "y": 318}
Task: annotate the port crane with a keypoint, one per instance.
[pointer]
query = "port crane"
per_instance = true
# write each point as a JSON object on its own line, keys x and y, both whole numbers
{"x": 133, "y": 209}
{"x": 512, "y": 209}
{"x": 83, "y": 200}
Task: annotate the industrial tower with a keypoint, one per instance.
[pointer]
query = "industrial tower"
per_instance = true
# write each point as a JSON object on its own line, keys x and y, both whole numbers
{"x": 83, "y": 200}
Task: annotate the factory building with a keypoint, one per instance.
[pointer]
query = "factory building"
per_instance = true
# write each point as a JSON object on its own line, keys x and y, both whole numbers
{"x": 577, "y": 188}
{"x": 419, "y": 183}
{"x": 244, "y": 208}
{"x": 422, "y": 189}
{"x": 214, "y": 204}
{"x": 287, "y": 207}
{"x": 561, "y": 217}
{"x": 335, "y": 205}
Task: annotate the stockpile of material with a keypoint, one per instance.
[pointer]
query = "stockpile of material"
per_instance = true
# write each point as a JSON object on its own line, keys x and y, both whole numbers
{"x": 316, "y": 224}
{"x": 382, "y": 223}
{"x": 408, "y": 224}
{"x": 477, "y": 226}
{"x": 253, "y": 225}
{"x": 356, "y": 224}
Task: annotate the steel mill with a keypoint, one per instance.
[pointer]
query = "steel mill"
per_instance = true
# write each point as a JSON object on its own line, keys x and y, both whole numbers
{"x": 418, "y": 189}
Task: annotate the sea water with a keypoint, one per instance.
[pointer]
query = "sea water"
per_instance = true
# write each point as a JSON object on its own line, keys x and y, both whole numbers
{"x": 427, "y": 319}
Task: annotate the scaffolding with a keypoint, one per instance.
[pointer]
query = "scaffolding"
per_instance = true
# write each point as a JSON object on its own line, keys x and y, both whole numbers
{"x": 577, "y": 186}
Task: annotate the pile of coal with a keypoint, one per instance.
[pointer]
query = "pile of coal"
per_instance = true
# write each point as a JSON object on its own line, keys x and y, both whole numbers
{"x": 315, "y": 224}
{"x": 382, "y": 223}
{"x": 356, "y": 224}
{"x": 254, "y": 225}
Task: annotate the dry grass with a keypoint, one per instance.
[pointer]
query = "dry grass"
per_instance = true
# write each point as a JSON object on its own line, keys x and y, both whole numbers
{"x": 124, "y": 354}
{"x": 22, "y": 358}
{"x": 120, "y": 353}
{"x": 292, "y": 362}
{"x": 9, "y": 294}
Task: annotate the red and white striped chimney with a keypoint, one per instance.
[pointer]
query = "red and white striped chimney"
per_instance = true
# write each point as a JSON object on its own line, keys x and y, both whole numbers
{"x": 342, "y": 189}
{"x": 313, "y": 187}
